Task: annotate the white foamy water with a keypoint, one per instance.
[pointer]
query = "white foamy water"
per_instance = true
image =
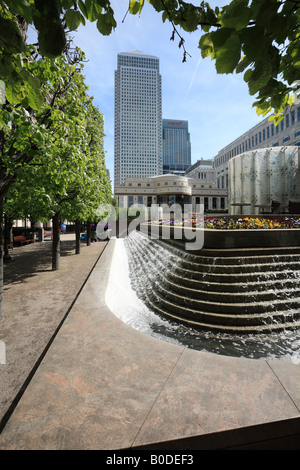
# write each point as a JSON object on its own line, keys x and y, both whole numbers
{"x": 123, "y": 301}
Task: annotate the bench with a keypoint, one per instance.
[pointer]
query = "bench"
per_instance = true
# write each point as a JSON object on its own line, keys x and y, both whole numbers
{"x": 21, "y": 239}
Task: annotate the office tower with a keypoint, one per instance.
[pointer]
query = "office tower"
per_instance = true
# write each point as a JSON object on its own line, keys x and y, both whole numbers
{"x": 138, "y": 117}
{"x": 176, "y": 146}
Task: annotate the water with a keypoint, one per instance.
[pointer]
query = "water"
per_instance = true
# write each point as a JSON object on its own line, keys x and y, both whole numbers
{"x": 124, "y": 297}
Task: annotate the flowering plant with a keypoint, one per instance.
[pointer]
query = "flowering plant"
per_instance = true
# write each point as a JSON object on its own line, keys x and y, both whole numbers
{"x": 230, "y": 223}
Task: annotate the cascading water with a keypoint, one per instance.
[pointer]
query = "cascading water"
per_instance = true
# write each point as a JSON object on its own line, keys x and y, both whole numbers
{"x": 143, "y": 268}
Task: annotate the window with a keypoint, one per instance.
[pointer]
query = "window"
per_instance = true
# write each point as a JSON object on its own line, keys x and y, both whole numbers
{"x": 130, "y": 201}
{"x": 287, "y": 120}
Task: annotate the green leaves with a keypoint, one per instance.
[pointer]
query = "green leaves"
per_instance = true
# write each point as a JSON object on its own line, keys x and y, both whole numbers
{"x": 22, "y": 8}
{"x": 58, "y": 149}
{"x": 106, "y": 23}
{"x": 33, "y": 90}
{"x": 51, "y": 35}
{"x": 228, "y": 56}
{"x": 136, "y": 6}
{"x": 236, "y": 15}
{"x": 91, "y": 9}
{"x": 259, "y": 38}
{"x": 11, "y": 36}
{"x": 74, "y": 19}
{"x": 262, "y": 40}
{"x": 224, "y": 47}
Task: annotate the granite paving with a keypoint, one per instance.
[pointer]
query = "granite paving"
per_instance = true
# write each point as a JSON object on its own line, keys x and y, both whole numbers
{"x": 103, "y": 385}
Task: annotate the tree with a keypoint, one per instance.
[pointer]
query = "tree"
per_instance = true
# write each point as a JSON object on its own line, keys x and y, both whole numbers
{"x": 44, "y": 143}
{"x": 259, "y": 38}
{"x": 70, "y": 179}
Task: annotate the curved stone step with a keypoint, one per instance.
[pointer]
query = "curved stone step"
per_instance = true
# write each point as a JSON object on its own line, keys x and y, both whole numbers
{"x": 245, "y": 296}
{"x": 218, "y": 267}
{"x": 231, "y": 329}
{"x": 220, "y": 320}
{"x": 239, "y": 277}
{"x": 191, "y": 271}
{"x": 241, "y": 294}
{"x": 249, "y": 306}
{"x": 237, "y": 286}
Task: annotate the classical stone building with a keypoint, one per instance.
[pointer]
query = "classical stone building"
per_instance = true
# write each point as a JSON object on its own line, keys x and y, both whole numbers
{"x": 171, "y": 189}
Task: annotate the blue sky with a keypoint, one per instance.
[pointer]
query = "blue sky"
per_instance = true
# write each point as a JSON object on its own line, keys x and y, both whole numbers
{"x": 217, "y": 107}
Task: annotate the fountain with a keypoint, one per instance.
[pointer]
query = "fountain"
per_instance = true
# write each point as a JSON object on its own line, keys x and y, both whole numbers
{"x": 261, "y": 176}
{"x": 238, "y": 292}
{"x": 225, "y": 306}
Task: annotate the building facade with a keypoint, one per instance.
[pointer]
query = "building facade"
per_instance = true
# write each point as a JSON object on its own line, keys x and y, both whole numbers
{"x": 138, "y": 117}
{"x": 202, "y": 170}
{"x": 263, "y": 135}
{"x": 176, "y": 146}
{"x": 169, "y": 190}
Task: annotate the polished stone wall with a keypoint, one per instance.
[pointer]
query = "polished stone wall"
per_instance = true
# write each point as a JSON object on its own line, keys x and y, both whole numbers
{"x": 261, "y": 176}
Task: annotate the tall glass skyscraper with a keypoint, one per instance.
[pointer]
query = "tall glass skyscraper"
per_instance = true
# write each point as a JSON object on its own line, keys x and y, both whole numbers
{"x": 176, "y": 146}
{"x": 138, "y": 117}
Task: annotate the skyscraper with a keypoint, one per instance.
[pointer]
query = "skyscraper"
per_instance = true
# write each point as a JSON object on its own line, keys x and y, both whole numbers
{"x": 138, "y": 117}
{"x": 176, "y": 146}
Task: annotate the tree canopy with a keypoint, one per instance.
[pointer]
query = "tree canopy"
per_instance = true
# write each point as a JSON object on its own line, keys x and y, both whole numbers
{"x": 259, "y": 38}
{"x": 52, "y": 160}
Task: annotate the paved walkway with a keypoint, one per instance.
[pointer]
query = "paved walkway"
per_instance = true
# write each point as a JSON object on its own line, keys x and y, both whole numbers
{"x": 103, "y": 385}
{"x": 36, "y": 300}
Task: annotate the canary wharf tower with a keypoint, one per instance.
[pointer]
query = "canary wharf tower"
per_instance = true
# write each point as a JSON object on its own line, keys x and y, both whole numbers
{"x": 138, "y": 117}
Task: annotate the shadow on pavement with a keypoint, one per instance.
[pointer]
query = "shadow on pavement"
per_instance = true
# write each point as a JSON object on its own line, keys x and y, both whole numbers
{"x": 27, "y": 261}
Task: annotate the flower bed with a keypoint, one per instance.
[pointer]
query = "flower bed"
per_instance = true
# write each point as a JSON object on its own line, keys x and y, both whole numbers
{"x": 230, "y": 223}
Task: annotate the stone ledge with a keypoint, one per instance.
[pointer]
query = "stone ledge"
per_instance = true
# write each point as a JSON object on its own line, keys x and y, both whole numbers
{"x": 225, "y": 239}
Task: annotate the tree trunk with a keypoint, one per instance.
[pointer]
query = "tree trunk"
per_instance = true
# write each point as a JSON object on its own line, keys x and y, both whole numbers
{"x": 56, "y": 242}
{"x": 1, "y": 258}
{"x": 77, "y": 233}
{"x": 88, "y": 233}
{"x": 7, "y": 230}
